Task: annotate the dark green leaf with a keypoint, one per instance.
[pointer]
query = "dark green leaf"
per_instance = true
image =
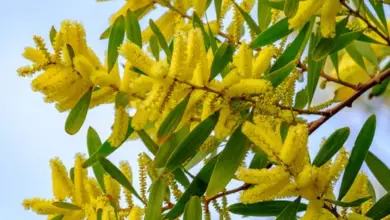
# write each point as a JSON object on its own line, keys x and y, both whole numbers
{"x": 279, "y": 75}
{"x": 170, "y": 123}
{"x": 105, "y": 34}
{"x": 259, "y": 161}
{"x": 379, "y": 169}
{"x": 380, "y": 208}
{"x": 57, "y": 217}
{"x": 365, "y": 11}
{"x": 380, "y": 88}
{"x": 181, "y": 177}
{"x": 248, "y": 19}
{"x": 191, "y": 144}
{"x": 272, "y": 34}
{"x": 78, "y": 114}
{"x": 193, "y": 210}
{"x": 279, "y": 5}
{"x": 331, "y": 146}
{"x": 156, "y": 198}
{"x": 70, "y": 50}
{"x": 218, "y": 5}
{"x": 355, "y": 55}
{"x": 117, "y": 34}
{"x": 133, "y": 30}
{"x": 284, "y": 130}
{"x": 122, "y": 99}
{"x": 155, "y": 47}
{"x": 148, "y": 141}
{"x": 314, "y": 67}
{"x": 290, "y": 212}
{"x": 228, "y": 162}
{"x": 99, "y": 214}
{"x": 264, "y": 14}
{"x": 53, "y": 34}
{"x": 213, "y": 40}
{"x": 93, "y": 143}
{"x": 300, "y": 99}
{"x": 116, "y": 174}
{"x": 345, "y": 39}
{"x": 66, "y": 205}
{"x": 71, "y": 174}
{"x": 290, "y": 8}
{"x": 265, "y": 208}
{"x": 106, "y": 149}
{"x": 359, "y": 152}
{"x": 365, "y": 38}
{"x": 161, "y": 39}
{"x": 378, "y": 7}
{"x": 223, "y": 57}
{"x": 355, "y": 203}
{"x": 335, "y": 61}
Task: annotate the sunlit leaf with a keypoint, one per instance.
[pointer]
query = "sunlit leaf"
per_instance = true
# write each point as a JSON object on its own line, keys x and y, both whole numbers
{"x": 290, "y": 212}
{"x": 117, "y": 34}
{"x": 78, "y": 114}
{"x": 193, "y": 210}
{"x": 156, "y": 198}
{"x": 272, "y": 34}
{"x": 93, "y": 143}
{"x": 223, "y": 57}
{"x": 265, "y": 208}
{"x": 380, "y": 208}
{"x": 161, "y": 39}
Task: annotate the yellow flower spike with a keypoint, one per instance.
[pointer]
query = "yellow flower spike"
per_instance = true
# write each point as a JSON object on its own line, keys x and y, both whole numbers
{"x": 102, "y": 78}
{"x": 80, "y": 181}
{"x": 83, "y": 67}
{"x": 359, "y": 188}
{"x": 126, "y": 170}
{"x": 314, "y": 210}
{"x": 356, "y": 216}
{"x": 200, "y": 7}
{"x": 128, "y": 76}
{"x": 178, "y": 65}
{"x": 262, "y": 61}
{"x": 93, "y": 188}
{"x": 35, "y": 55}
{"x": 165, "y": 24}
{"x": 40, "y": 43}
{"x": 119, "y": 130}
{"x": 131, "y": 5}
{"x": 328, "y": 17}
{"x": 231, "y": 79}
{"x": 78, "y": 90}
{"x": 259, "y": 176}
{"x": 210, "y": 105}
{"x": 226, "y": 122}
{"x": 108, "y": 213}
{"x": 136, "y": 213}
{"x": 43, "y": 207}
{"x": 195, "y": 47}
{"x": 197, "y": 78}
{"x": 243, "y": 61}
{"x": 104, "y": 95}
{"x": 112, "y": 189}
{"x": 61, "y": 183}
{"x": 338, "y": 165}
{"x": 74, "y": 215}
{"x": 73, "y": 33}
{"x": 137, "y": 57}
{"x": 140, "y": 119}
{"x": 249, "y": 87}
{"x": 296, "y": 139}
{"x": 238, "y": 19}
{"x": 305, "y": 11}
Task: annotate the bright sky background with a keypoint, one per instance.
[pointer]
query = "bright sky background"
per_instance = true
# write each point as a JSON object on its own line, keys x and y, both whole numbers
{"x": 32, "y": 132}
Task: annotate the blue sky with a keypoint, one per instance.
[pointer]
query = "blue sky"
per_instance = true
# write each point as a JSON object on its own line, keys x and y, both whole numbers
{"x": 32, "y": 132}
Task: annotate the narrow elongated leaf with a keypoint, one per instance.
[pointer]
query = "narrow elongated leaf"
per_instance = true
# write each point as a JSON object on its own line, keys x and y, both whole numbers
{"x": 116, "y": 174}
{"x": 155, "y": 48}
{"x": 366, "y": 12}
{"x": 331, "y": 146}
{"x": 191, "y": 144}
{"x": 99, "y": 214}
{"x": 371, "y": 190}
{"x": 223, "y": 57}
{"x": 379, "y": 169}
{"x": 380, "y": 88}
{"x": 161, "y": 39}
{"x": 105, "y": 34}
{"x": 380, "y": 208}
{"x": 265, "y": 208}
{"x": 378, "y": 7}
{"x": 279, "y": 75}
{"x": 200, "y": 156}
{"x": 228, "y": 162}
{"x": 365, "y": 38}
{"x": 279, "y": 5}
{"x": 170, "y": 123}
{"x": 259, "y": 161}
{"x": 93, "y": 143}
{"x": 300, "y": 99}
{"x": 53, "y": 34}
{"x": 57, "y": 217}
{"x": 71, "y": 174}
{"x": 193, "y": 210}
{"x": 196, "y": 188}
{"x": 218, "y": 6}
{"x": 66, "y": 205}
{"x": 156, "y": 198}
{"x": 355, "y": 55}
{"x": 78, "y": 114}
{"x": 290, "y": 8}
{"x": 290, "y": 212}
{"x": 148, "y": 141}
{"x": 359, "y": 152}
{"x": 349, "y": 204}
{"x": 367, "y": 52}
{"x": 166, "y": 149}
{"x": 121, "y": 99}
{"x": 133, "y": 30}
{"x": 181, "y": 177}
{"x": 117, "y": 34}
{"x": 335, "y": 61}
{"x": 272, "y": 34}
{"x": 346, "y": 39}
{"x": 264, "y": 14}
{"x": 106, "y": 149}
{"x": 284, "y": 130}
{"x": 248, "y": 19}
{"x": 213, "y": 40}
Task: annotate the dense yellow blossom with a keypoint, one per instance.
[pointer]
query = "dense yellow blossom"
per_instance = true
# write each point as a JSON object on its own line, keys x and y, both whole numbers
{"x": 305, "y": 11}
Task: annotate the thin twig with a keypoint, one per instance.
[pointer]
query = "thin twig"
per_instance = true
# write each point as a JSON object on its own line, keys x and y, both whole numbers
{"x": 332, "y": 210}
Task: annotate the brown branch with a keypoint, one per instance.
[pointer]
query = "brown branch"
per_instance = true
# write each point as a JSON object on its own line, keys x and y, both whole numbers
{"x": 232, "y": 191}
{"x": 362, "y": 88}
{"x": 304, "y": 111}
{"x": 332, "y": 210}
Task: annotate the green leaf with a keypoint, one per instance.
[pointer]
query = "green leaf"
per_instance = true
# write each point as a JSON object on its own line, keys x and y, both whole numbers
{"x": 53, "y": 34}
{"x": 122, "y": 99}
{"x": 148, "y": 141}
{"x": 200, "y": 156}
{"x": 301, "y": 99}
{"x": 272, "y": 34}
{"x": 331, "y": 146}
{"x": 367, "y": 52}
{"x": 264, "y": 14}
{"x": 71, "y": 174}
{"x": 93, "y": 143}
{"x": 371, "y": 190}
{"x": 378, "y": 7}
{"x": 279, "y": 4}
{"x": 191, "y": 144}
{"x": 314, "y": 67}
{"x": 117, "y": 34}
{"x": 193, "y": 210}
{"x": 248, "y": 19}
{"x": 345, "y": 39}
{"x": 57, "y": 217}
{"x": 379, "y": 169}
{"x": 335, "y": 61}
{"x": 197, "y": 22}
{"x": 156, "y": 198}
{"x": 290, "y": 212}
{"x": 359, "y": 152}
{"x": 161, "y": 39}
{"x": 99, "y": 214}
{"x": 78, "y": 114}
{"x": 196, "y": 188}
{"x": 66, "y": 205}
{"x": 259, "y": 161}
{"x": 228, "y": 162}
{"x": 116, "y": 174}
{"x": 213, "y": 40}
{"x": 284, "y": 130}
{"x": 181, "y": 177}
{"x": 170, "y": 123}
{"x": 169, "y": 146}
{"x": 355, "y": 203}
{"x": 133, "y": 30}
{"x": 155, "y": 48}
{"x": 380, "y": 88}
{"x": 223, "y": 57}
{"x": 70, "y": 50}
{"x": 106, "y": 149}
{"x": 365, "y": 38}
{"x": 218, "y": 6}
{"x": 365, "y": 11}
{"x": 279, "y": 75}
{"x": 380, "y": 208}
{"x": 105, "y": 34}
{"x": 265, "y": 208}
{"x": 290, "y": 8}
{"x": 355, "y": 55}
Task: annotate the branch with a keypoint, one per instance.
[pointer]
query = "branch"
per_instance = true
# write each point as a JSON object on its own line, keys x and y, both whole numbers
{"x": 232, "y": 191}
{"x": 362, "y": 88}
